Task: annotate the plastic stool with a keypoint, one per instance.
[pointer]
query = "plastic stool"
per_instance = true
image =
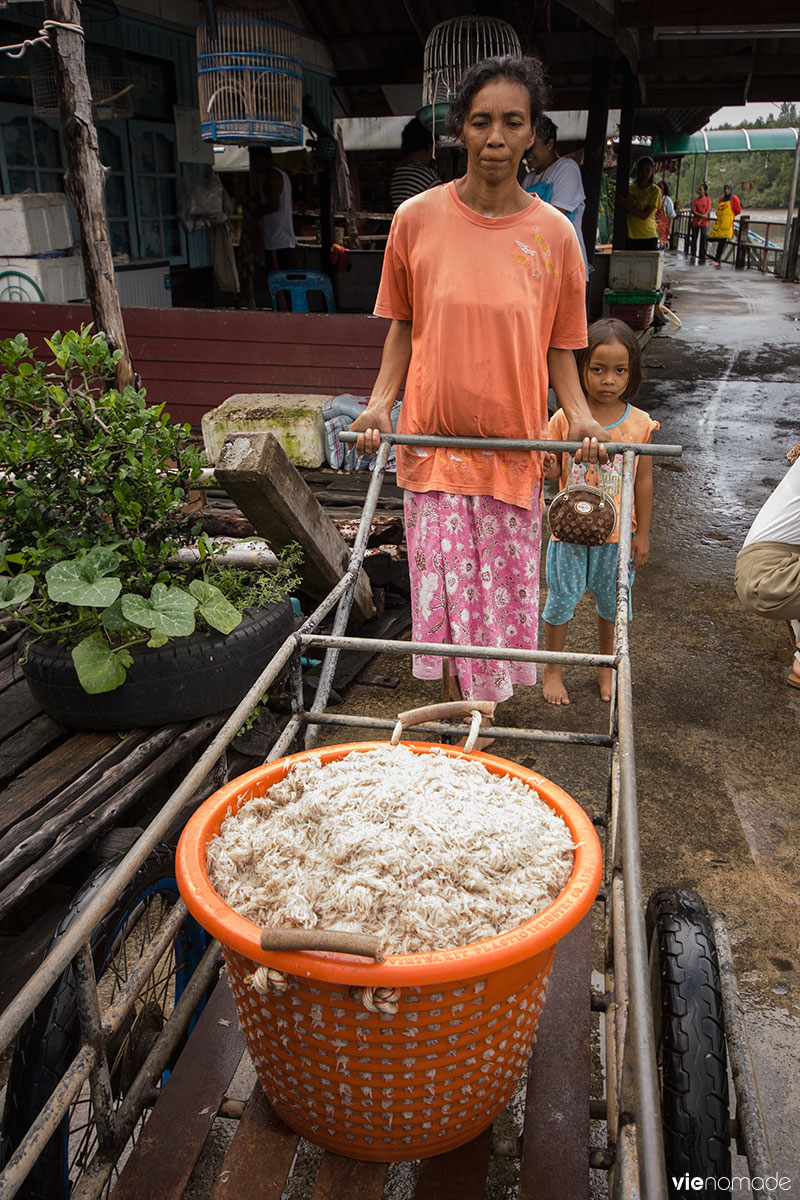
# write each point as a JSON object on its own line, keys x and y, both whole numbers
{"x": 298, "y": 284}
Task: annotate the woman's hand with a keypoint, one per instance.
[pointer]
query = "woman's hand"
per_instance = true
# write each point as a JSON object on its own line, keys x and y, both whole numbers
{"x": 369, "y": 426}
{"x": 640, "y": 549}
{"x": 591, "y": 434}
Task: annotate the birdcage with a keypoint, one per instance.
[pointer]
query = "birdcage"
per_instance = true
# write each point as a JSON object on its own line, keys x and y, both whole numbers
{"x": 111, "y": 83}
{"x": 249, "y": 77}
{"x": 451, "y": 48}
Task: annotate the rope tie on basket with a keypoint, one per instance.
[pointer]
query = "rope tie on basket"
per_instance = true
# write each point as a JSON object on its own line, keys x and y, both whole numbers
{"x": 17, "y": 49}
{"x": 381, "y": 999}
{"x": 267, "y": 979}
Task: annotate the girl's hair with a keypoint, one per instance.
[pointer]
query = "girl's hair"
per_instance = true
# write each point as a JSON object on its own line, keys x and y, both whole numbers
{"x": 527, "y": 71}
{"x": 601, "y": 333}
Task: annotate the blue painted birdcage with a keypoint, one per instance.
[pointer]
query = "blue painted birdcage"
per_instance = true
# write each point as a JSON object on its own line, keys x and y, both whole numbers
{"x": 249, "y": 78}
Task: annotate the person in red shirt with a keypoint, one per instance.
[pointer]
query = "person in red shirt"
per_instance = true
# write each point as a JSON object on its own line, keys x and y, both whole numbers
{"x": 701, "y": 207}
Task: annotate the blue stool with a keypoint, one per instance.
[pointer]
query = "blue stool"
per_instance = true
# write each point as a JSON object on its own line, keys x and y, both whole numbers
{"x": 298, "y": 284}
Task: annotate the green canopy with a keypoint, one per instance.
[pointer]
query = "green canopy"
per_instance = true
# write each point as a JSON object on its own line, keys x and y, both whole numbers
{"x": 722, "y": 141}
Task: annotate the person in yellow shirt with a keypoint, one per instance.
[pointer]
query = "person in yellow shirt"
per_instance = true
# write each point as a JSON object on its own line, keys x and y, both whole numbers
{"x": 641, "y": 203}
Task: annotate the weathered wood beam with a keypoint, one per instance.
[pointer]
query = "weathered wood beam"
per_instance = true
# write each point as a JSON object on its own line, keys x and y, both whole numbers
{"x": 644, "y": 14}
{"x": 85, "y": 176}
{"x": 257, "y": 475}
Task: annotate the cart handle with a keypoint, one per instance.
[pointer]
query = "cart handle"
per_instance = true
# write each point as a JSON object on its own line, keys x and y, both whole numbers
{"x": 479, "y": 710}
{"x": 339, "y": 941}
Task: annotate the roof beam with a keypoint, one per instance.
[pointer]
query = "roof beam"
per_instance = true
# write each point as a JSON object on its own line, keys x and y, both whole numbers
{"x": 645, "y": 14}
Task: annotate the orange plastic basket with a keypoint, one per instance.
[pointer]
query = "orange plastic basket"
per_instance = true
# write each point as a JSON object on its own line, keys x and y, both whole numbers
{"x": 398, "y": 1060}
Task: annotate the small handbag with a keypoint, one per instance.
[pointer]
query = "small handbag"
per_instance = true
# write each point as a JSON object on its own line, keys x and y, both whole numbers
{"x": 582, "y": 514}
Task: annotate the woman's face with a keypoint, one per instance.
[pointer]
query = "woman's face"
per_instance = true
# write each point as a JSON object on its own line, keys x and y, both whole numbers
{"x": 498, "y": 130}
{"x": 726, "y": 191}
{"x": 644, "y": 173}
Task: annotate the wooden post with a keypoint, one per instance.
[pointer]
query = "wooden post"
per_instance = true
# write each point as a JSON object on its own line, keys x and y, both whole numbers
{"x": 85, "y": 177}
{"x": 595, "y": 144}
{"x": 624, "y": 154}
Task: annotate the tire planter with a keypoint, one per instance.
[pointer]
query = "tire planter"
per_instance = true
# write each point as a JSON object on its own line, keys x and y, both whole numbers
{"x": 690, "y": 1037}
{"x": 181, "y": 681}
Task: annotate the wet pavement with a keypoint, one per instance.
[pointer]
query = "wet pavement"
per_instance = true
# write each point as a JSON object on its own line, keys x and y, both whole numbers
{"x": 717, "y": 739}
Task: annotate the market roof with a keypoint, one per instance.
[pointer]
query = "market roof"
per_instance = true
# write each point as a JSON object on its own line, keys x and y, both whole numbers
{"x": 723, "y": 141}
{"x": 689, "y": 57}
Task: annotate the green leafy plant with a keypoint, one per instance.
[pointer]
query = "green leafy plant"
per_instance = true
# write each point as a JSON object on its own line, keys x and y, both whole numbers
{"x": 93, "y": 507}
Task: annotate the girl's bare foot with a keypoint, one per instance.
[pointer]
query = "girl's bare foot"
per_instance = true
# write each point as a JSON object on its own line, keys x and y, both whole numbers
{"x": 553, "y": 688}
{"x": 605, "y": 682}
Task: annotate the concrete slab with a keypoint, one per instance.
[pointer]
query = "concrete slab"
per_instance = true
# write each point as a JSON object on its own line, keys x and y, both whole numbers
{"x": 294, "y": 418}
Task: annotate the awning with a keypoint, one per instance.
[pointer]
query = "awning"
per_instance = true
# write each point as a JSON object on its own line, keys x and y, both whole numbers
{"x": 722, "y": 141}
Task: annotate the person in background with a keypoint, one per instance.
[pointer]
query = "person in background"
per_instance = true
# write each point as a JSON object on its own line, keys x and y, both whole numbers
{"x": 728, "y": 208}
{"x": 665, "y": 216}
{"x": 273, "y": 191}
{"x": 611, "y": 371}
{"x": 555, "y": 179}
{"x": 485, "y": 288}
{"x": 701, "y": 207}
{"x": 415, "y": 173}
{"x": 767, "y": 577}
{"x": 641, "y": 203}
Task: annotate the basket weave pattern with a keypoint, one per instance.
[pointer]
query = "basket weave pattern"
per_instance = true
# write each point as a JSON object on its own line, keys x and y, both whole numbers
{"x": 390, "y": 1087}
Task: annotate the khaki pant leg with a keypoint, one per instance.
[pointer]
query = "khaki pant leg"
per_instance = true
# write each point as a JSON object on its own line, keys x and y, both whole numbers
{"x": 767, "y": 579}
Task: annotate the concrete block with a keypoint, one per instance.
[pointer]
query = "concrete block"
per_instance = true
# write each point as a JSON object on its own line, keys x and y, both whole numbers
{"x": 294, "y": 420}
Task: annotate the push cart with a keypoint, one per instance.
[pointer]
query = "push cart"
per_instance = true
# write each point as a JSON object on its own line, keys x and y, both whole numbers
{"x": 126, "y": 1054}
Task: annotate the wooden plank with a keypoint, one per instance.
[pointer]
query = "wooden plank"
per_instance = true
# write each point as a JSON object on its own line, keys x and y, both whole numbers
{"x": 27, "y": 745}
{"x": 29, "y": 837}
{"x": 10, "y": 673}
{"x": 460, "y": 1174}
{"x": 170, "y": 1143}
{"x": 555, "y": 1140}
{"x": 83, "y": 751}
{"x": 79, "y": 831}
{"x": 261, "y": 1155}
{"x": 257, "y": 475}
{"x": 349, "y": 1179}
{"x": 17, "y": 709}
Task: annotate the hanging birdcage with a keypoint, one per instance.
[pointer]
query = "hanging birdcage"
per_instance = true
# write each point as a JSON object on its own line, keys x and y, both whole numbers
{"x": 451, "y": 48}
{"x": 111, "y": 83}
{"x": 249, "y": 77}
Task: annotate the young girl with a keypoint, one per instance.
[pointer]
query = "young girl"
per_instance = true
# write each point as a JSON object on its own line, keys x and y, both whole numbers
{"x": 610, "y": 370}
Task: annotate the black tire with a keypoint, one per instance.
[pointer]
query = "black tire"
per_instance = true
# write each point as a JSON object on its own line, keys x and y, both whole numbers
{"x": 690, "y": 1038}
{"x": 51, "y": 1036}
{"x": 181, "y": 681}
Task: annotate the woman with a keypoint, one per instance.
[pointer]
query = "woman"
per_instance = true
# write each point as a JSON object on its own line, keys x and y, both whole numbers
{"x": 665, "y": 216}
{"x": 728, "y": 207}
{"x": 414, "y": 173}
{"x": 555, "y": 179}
{"x": 641, "y": 203}
{"x": 701, "y": 207}
{"x": 485, "y": 288}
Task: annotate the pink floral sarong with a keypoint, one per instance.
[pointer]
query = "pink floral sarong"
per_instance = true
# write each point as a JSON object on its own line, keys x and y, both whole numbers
{"x": 474, "y": 567}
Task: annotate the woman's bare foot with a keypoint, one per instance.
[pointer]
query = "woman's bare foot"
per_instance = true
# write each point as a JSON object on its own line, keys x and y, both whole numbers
{"x": 553, "y": 688}
{"x": 605, "y": 682}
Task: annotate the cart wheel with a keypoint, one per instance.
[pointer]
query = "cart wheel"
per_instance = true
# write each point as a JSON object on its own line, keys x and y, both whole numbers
{"x": 690, "y": 1037}
{"x": 51, "y": 1036}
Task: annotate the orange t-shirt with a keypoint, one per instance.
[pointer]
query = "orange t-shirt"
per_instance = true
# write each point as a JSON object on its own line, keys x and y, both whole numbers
{"x": 486, "y": 297}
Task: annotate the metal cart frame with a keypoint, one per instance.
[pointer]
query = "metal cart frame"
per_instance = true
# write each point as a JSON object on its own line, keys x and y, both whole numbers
{"x": 632, "y": 1107}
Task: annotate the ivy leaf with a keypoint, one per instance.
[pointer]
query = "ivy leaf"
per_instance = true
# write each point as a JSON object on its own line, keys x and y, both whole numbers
{"x": 169, "y": 610}
{"x": 15, "y": 590}
{"x": 84, "y": 581}
{"x": 100, "y": 669}
{"x": 214, "y": 607}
